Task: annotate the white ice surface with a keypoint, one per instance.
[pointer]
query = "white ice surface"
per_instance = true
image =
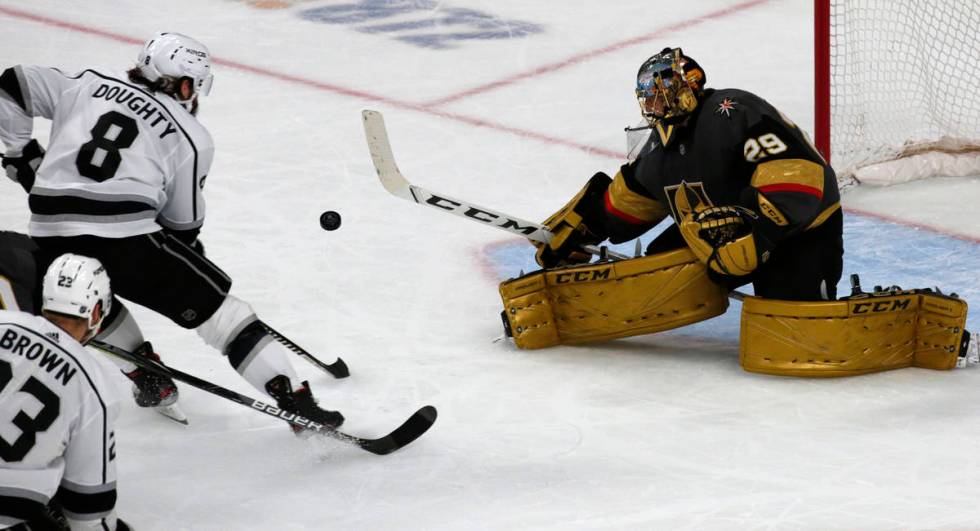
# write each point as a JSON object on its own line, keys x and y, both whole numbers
{"x": 657, "y": 432}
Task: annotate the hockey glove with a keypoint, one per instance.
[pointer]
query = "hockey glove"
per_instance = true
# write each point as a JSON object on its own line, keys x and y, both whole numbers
{"x": 22, "y": 169}
{"x": 574, "y": 225}
{"x": 721, "y": 237}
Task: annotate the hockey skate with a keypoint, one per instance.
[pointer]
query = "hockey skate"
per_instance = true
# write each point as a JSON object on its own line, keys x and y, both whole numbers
{"x": 972, "y": 354}
{"x": 301, "y": 402}
{"x": 154, "y": 390}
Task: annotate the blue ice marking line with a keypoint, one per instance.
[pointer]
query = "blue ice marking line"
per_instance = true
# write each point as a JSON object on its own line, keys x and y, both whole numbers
{"x": 882, "y": 253}
{"x": 422, "y": 23}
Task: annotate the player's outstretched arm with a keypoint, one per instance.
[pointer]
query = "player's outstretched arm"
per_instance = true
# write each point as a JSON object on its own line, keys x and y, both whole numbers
{"x": 26, "y": 92}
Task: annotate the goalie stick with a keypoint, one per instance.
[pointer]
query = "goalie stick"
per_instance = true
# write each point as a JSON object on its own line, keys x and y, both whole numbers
{"x": 396, "y": 183}
{"x": 393, "y": 181}
{"x": 411, "y": 429}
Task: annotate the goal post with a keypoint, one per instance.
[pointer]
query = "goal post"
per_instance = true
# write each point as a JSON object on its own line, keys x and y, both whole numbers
{"x": 897, "y": 88}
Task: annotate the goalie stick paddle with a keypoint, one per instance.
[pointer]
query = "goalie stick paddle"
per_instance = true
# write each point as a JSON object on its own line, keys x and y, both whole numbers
{"x": 411, "y": 429}
{"x": 396, "y": 184}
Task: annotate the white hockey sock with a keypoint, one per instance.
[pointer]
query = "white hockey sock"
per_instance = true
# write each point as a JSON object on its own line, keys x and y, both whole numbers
{"x": 124, "y": 333}
{"x": 236, "y": 331}
{"x": 227, "y": 322}
{"x": 266, "y": 360}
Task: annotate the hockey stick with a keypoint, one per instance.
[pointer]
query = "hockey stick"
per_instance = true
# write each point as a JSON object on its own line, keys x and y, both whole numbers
{"x": 338, "y": 368}
{"x": 393, "y": 181}
{"x": 411, "y": 429}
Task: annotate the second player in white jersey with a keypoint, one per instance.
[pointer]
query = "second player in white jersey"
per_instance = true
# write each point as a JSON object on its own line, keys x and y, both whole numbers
{"x": 57, "y": 409}
{"x": 85, "y": 185}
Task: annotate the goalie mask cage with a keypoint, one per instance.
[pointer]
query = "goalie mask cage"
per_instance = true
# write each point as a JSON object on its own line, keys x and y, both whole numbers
{"x": 898, "y": 88}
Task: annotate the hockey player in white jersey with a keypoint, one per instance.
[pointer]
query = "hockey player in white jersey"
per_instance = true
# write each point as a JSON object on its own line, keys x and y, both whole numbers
{"x": 122, "y": 181}
{"x": 20, "y": 289}
{"x": 57, "y": 409}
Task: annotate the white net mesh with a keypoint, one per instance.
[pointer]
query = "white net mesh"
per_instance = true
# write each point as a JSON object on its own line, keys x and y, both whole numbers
{"x": 905, "y": 80}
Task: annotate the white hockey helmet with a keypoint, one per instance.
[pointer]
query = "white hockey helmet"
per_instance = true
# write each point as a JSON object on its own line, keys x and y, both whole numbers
{"x": 74, "y": 285}
{"x": 175, "y": 56}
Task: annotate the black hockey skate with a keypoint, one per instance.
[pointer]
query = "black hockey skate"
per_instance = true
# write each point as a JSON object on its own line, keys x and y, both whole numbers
{"x": 150, "y": 389}
{"x": 301, "y": 402}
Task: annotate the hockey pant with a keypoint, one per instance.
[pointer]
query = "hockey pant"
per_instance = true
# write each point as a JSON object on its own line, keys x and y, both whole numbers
{"x": 164, "y": 274}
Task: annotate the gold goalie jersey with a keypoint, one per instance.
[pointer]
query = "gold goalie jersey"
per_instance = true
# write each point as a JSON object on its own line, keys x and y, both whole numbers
{"x": 736, "y": 149}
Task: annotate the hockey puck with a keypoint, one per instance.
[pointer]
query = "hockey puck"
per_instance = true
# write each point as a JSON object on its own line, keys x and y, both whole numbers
{"x": 330, "y": 220}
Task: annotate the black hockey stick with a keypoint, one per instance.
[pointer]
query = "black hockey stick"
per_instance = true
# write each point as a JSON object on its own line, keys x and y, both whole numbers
{"x": 411, "y": 429}
{"x": 338, "y": 368}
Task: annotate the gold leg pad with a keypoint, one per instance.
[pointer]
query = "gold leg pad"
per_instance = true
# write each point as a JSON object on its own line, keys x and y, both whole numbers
{"x": 609, "y": 300}
{"x": 869, "y": 333}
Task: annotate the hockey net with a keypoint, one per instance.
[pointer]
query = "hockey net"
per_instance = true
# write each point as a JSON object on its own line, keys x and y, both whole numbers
{"x": 898, "y": 88}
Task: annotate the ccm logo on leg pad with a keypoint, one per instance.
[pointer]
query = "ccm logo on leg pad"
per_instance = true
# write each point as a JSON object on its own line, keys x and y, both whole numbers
{"x": 882, "y": 306}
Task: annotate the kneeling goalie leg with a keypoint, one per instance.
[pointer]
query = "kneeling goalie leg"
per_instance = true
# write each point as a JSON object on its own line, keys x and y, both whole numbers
{"x": 608, "y": 300}
{"x": 865, "y": 333}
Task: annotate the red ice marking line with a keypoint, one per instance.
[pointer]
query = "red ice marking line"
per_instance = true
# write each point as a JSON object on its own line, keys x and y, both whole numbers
{"x": 575, "y": 59}
{"x": 486, "y": 265}
{"x": 336, "y": 89}
{"x": 469, "y": 120}
{"x": 488, "y": 268}
{"x": 912, "y": 224}
{"x": 68, "y": 25}
{"x": 476, "y": 122}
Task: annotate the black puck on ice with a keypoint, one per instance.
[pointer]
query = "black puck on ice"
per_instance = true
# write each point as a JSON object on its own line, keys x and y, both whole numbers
{"x": 330, "y": 220}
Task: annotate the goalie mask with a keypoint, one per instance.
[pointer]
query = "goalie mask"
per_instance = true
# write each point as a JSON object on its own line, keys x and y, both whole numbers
{"x": 668, "y": 86}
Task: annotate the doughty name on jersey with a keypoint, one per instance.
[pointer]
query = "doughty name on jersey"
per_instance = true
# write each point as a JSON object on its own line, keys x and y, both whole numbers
{"x": 144, "y": 108}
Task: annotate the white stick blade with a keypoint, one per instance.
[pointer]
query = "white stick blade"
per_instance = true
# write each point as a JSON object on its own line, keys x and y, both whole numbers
{"x": 396, "y": 184}
{"x": 382, "y": 156}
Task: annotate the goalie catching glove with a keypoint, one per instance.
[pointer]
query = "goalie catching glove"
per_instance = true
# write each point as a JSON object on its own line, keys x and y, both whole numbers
{"x": 721, "y": 237}
{"x": 576, "y": 224}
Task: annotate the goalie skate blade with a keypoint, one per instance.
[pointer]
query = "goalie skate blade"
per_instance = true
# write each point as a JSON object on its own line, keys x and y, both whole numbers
{"x": 174, "y": 413}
